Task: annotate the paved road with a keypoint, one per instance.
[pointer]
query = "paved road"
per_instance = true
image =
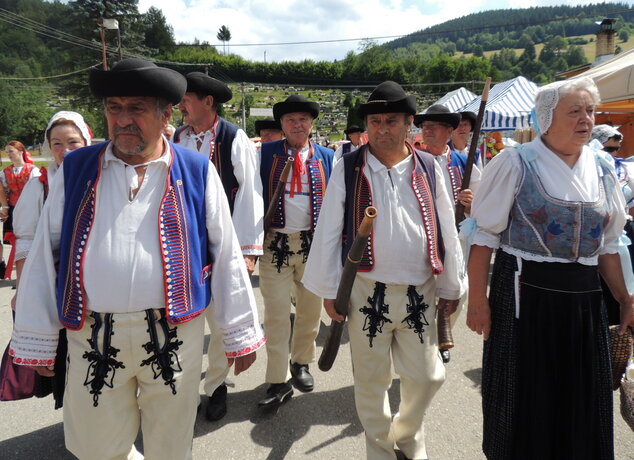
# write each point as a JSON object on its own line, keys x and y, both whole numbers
{"x": 318, "y": 425}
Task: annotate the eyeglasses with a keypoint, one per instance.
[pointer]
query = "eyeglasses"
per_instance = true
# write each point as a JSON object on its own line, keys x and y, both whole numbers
{"x": 432, "y": 126}
{"x": 612, "y": 149}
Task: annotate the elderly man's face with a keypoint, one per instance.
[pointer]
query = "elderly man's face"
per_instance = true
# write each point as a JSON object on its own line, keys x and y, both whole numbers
{"x": 355, "y": 138}
{"x": 435, "y": 133}
{"x": 134, "y": 124}
{"x": 462, "y": 132}
{"x": 270, "y": 135}
{"x": 387, "y": 131}
{"x": 297, "y": 127}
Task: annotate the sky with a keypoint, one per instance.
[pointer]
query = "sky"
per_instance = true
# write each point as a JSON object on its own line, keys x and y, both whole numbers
{"x": 264, "y": 22}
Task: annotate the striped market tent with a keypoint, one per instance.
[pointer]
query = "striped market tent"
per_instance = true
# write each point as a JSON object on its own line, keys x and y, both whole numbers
{"x": 456, "y": 99}
{"x": 509, "y": 105}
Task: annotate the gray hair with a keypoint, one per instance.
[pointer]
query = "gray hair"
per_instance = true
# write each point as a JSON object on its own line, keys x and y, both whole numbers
{"x": 548, "y": 96}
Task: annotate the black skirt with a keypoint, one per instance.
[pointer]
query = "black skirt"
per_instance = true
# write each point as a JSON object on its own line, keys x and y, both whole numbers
{"x": 546, "y": 383}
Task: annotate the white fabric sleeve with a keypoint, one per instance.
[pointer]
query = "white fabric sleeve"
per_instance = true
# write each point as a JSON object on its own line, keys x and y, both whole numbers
{"x": 36, "y": 328}
{"x": 248, "y": 208}
{"x": 323, "y": 268}
{"x": 494, "y": 197}
{"x": 26, "y": 215}
{"x": 614, "y": 227}
{"x": 450, "y": 284}
{"x": 234, "y": 302}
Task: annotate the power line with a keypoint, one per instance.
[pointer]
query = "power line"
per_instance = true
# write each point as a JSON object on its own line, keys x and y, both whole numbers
{"x": 51, "y": 76}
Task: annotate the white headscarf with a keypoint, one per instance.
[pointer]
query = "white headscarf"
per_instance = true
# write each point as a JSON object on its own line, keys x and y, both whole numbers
{"x": 77, "y": 120}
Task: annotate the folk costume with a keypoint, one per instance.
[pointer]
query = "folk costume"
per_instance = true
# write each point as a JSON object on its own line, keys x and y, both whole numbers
{"x": 14, "y": 179}
{"x": 348, "y": 146}
{"x": 287, "y": 245}
{"x": 138, "y": 270}
{"x": 412, "y": 256}
{"x": 549, "y": 223}
{"x": 233, "y": 154}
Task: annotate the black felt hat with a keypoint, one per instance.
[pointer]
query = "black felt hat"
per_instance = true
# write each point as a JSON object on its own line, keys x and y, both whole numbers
{"x": 353, "y": 129}
{"x": 388, "y": 97}
{"x": 469, "y": 116}
{"x": 267, "y": 123}
{"x": 295, "y": 103}
{"x": 137, "y": 77}
{"x": 200, "y": 83}
{"x": 439, "y": 113}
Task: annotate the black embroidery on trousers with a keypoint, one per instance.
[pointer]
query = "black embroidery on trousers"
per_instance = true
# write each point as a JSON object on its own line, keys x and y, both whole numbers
{"x": 416, "y": 308}
{"x": 101, "y": 362}
{"x": 164, "y": 359}
{"x": 375, "y": 314}
{"x": 307, "y": 240}
{"x": 281, "y": 250}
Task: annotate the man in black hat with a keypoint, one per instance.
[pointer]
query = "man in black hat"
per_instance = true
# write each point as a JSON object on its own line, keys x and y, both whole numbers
{"x": 122, "y": 260}
{"x": 233, "y": 154}
{"x": 269, "y": 130}
{"x": 412, "y": 257}
{"x": 353, "y": 134}
{"x": 462, "y": 134}
{"x": 286, "y": 248}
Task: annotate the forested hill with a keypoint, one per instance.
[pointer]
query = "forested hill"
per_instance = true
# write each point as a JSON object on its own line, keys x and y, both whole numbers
{"x": 497, "y": 29}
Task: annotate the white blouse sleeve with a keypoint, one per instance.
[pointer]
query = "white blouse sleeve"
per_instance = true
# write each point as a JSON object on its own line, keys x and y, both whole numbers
{"x": 248, "y": 208}
{"x": 494, "y": 197}
{"x": 26, "y": 215}
{"x": 614, "y": 227}
{"x": 234, "y": 302}
{"x": 36, "y": 328}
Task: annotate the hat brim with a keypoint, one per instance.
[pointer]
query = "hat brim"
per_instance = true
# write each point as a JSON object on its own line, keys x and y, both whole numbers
{"x": 353, "y": 130}
{"x": 147, "y": 81}
{"x": 282, "y": 108}
{"x": 452, "y": 119}
{"x": 202, "y": 84}
{"x": 406, "y": 105}
{"x": 266, "y": 124}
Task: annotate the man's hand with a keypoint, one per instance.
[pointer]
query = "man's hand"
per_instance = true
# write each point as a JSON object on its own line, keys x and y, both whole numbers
{"x": 44, "y": 371}
{"x": 329, "y": 306}
{"x": 4, "y": 214}
{"x": 242, "y": 362}
{"x": 465, "y": 197}
{"x": 250, "y": 263}
{"x": 447, "y": 306}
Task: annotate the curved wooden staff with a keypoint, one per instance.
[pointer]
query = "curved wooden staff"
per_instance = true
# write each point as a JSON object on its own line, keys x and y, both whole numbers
{"x": 275, "y": 198}
{"x": 445, "y": 337}
{"x": 350, "y": 267}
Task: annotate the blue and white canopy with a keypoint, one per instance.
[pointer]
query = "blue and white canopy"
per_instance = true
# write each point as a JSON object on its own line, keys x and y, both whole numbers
{"x": 508, "y": 107}
{"x": 456, "y": 99}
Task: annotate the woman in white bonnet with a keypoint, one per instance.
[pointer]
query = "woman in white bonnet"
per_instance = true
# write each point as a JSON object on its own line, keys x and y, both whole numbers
{"x": 554, "y": 211}
{"x": 66, "y": 131}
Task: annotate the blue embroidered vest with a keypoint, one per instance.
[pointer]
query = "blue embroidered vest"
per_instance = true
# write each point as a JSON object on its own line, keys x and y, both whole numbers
{"x": 455, "y": 168}
{"x": 221, "y": 156}
{"x": 359, "y": 197}
{"x": 273, "y": 159}
{"x": 182, "y": 229}
{"x": 546, "y": 226}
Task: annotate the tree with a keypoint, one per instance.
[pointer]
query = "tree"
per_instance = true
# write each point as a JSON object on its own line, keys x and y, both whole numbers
{"x": 624, "y": 35}
{"x": 224, "y": 35}
{"x": 159, "y": 35}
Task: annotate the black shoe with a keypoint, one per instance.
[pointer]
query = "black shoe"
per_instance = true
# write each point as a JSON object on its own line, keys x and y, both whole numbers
{"x": 445, "y": 355}
{"x": 217, "y": 404}
{"x": 302, "y": 380}
{"x": 3, "y": 269}
{"x": 276, "y": 395}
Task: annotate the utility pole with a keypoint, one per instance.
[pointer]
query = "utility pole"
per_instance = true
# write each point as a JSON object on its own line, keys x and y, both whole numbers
{"x": 244, "y": 108}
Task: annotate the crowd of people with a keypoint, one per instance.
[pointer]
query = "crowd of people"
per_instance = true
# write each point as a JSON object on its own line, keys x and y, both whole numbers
{"x": 129, "y": 246}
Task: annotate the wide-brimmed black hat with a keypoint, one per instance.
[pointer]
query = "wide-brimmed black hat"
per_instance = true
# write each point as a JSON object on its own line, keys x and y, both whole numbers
{"x": 295, "y": 103}
{"x": 439, "y": 113}
{"x": 352, "y": 129}
{"x": 388, "y": 97}
{"x": 267, "y": 123}
{"x": 200, "y": 83}
{"x": 137, "y": 77}
{"x": 469, "y": 116}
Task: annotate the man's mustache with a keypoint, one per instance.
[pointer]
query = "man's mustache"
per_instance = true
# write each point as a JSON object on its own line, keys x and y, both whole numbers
{"x": 127, "y": 129}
